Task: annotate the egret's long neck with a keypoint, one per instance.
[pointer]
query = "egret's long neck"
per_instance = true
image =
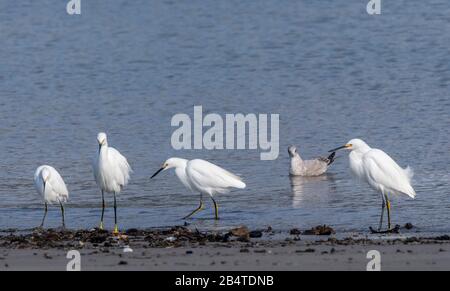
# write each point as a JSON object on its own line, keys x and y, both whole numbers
{"x": 180, "y": 163}
{"x": 356, "y": 154}
{"x": 47, "y": 187}
{"x": 103, "y": 151}
{"x": 362, "y": 149}
{"x": 180, "y": 171}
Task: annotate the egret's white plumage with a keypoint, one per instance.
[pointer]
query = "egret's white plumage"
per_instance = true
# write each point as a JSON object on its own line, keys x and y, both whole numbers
{"x": 380, "y": 171}
{"x": 111, "y": 172}
{"x": 204, "y": 177}
{"x": 111, "y": 168}
{"x": 50, "y": 185}
{"x": 210, "y": 179}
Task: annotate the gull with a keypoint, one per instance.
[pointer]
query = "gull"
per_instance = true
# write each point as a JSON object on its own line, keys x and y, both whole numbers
{"x": 308, "y": 168}
{"x": 50, "y": 185}
{"x": 112, "y": 173}
{"x": 381, "y": 172}
{"x": 204, "y": 177}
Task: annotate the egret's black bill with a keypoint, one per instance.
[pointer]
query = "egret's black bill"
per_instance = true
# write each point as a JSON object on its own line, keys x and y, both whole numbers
{"x": 159, "y": 171}
{"x": 339, "y": 148}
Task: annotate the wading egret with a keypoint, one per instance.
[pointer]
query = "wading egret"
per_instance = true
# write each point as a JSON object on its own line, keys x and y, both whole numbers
{"x": 381, "y": 172}
{"x": 308, "y": 168}
{"x": 112, "y": 173}
{"x": 50, "y": 185}
{"x": 204, "y": 177}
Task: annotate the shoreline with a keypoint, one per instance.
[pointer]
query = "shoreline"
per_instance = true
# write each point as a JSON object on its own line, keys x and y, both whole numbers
{"x": 183, "y": 249}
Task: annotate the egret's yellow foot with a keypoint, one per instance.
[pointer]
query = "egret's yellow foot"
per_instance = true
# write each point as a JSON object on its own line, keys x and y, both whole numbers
{"x": 200, "y": 208}
{"x": 116, "y": 230}
{"x": 101, "y": 227}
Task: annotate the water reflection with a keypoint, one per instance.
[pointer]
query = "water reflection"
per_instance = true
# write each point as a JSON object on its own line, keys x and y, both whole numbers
{"x": 311, "y": 190}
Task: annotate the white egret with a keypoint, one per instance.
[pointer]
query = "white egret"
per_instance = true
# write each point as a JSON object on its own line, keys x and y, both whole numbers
{"x": 308, "y": 168}
{"x": 112, "y": 173}
{"x": 50, "y": 185}
{"x": 204, "y": 177}
{"x": 381, "y": 172}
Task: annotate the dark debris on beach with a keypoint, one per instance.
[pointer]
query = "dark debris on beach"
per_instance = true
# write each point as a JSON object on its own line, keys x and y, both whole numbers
{"x": 174, "y": 237}
{"x": 178, "y": 236}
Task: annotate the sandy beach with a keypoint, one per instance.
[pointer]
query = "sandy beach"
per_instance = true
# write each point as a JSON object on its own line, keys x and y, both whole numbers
{"x": 183, "y": 249}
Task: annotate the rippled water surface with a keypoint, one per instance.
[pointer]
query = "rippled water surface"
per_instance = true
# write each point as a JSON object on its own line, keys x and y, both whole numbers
{"x": 331, "y": 71}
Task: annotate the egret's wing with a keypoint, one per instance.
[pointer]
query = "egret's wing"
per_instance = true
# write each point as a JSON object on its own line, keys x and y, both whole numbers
{"x": 181, "y": 174}
{"x": 122, "y": 170}
{"x": 204, "y": 174}
{"x": 381, "y": 169}
{"x": 38, "y": 183}
{"x": 58, "y": 184}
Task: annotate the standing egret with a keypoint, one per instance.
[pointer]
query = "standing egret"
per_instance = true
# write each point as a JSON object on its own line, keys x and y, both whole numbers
{"x": 112, "y": 172}
{"x": 50, "y": 185}
{"x": 308, "y": 168}
{"x": 204, "y": 177}
{"x": 381, "y": 172}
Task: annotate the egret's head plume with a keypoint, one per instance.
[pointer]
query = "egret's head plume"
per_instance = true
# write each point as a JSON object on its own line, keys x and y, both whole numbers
{"x": 102, "y": 138}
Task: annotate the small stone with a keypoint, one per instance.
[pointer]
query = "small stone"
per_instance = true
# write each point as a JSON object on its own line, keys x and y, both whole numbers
{"x": 295, "y": 231}
{"x": 320, "y": 230}
{"x": 256, "y": 234}
{"x": 242, "y": 233}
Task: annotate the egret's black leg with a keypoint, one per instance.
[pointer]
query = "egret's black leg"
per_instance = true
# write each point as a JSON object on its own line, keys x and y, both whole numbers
{"x": 116, "y": 228}
{"x": 383, "y": 206}
{"x": 63, "y": 215}
{"x": 102, "y": 226}
{"x": 216, "y": 208}
{"x": 200, "y": 208}
{"x": 45, "y": 215}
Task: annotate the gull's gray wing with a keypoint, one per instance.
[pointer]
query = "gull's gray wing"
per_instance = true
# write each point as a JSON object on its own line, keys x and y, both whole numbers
{"x": 315, "y": 167}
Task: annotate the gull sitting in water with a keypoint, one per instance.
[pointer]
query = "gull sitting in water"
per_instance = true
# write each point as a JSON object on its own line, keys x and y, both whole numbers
{"x": 50, "y": 185}
{"x": 204, "y": 177}
{"x": 381, "y": 172}
{"x": 308, "y": 168}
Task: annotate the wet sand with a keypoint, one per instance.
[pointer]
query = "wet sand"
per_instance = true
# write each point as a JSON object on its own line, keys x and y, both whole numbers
{"x": 184, "y": 249}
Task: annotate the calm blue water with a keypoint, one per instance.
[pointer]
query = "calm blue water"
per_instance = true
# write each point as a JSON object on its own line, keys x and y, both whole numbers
{"x": 331, "y": 71}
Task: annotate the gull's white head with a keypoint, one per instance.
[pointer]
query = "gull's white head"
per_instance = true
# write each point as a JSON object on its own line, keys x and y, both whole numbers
{"x": 45, "y": 174}
{"x": 292, "y": 151}
{"x": 102, "y": 139}
{"x": 355, "y": 144}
